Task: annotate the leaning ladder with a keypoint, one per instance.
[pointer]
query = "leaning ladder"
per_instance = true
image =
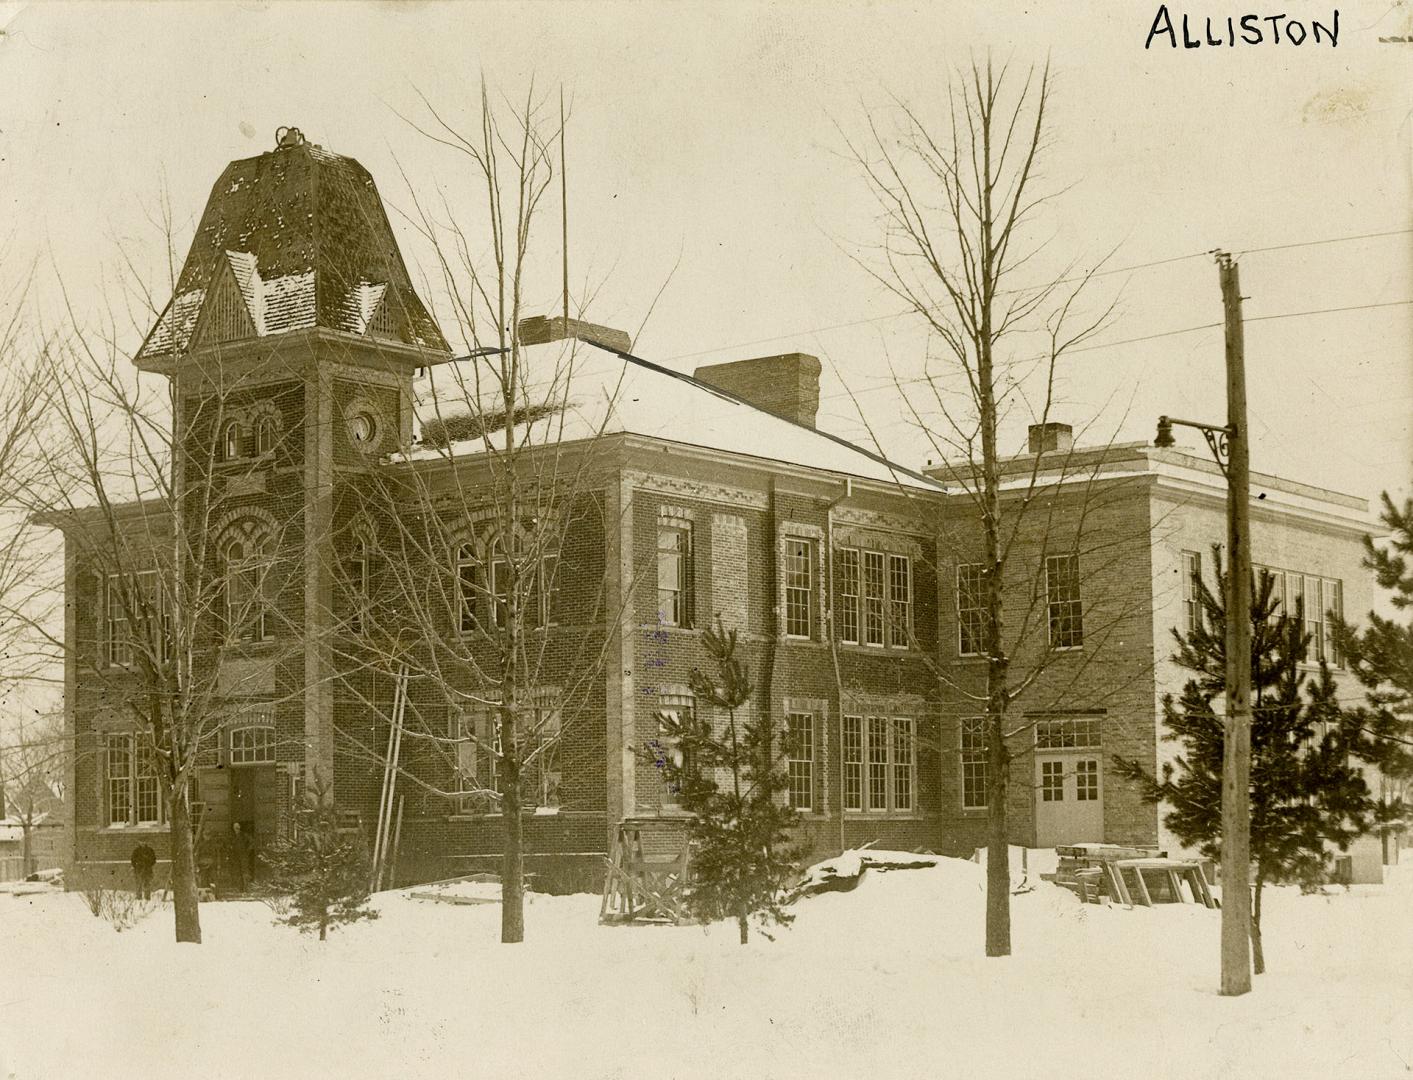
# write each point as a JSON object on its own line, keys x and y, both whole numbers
{"x": 390, "y": 769}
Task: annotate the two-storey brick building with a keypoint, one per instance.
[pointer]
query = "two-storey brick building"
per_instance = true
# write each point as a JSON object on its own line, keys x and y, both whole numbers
{"x": 1104, "y": 572}
{"x": 316, "y": 405}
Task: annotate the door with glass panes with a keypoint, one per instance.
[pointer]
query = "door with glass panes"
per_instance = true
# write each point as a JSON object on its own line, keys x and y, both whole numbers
{"x": 1069, "y": 782}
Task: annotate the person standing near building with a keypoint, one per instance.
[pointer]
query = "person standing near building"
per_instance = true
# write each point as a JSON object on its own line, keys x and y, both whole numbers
{"x": 144, "y": 859}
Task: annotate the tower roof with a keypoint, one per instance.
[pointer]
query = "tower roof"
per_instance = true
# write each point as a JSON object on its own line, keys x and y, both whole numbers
{"x": 293, "y": 239}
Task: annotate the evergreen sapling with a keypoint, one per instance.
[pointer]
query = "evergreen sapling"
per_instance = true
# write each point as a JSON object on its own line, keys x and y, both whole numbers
{"x": 1305, "y": 794}
{"x": 323, "y": 870}
{"x": 732, "y": 780}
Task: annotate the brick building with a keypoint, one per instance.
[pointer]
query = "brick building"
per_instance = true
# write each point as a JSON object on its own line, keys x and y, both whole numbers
{"x": 343, "y": 451}
{"x": 1105, "y": 575}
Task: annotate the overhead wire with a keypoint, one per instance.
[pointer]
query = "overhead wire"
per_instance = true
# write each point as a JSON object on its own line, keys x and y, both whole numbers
{"x": 1099, "y": 273}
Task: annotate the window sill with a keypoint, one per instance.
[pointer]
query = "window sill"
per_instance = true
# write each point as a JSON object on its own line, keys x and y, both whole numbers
{"x": 1066, "y": 648}
{"x": 496, "y": 815}
{"x": 883, "y": 815}
{"x": 854, "y": 648}
{"x": 135, "y": 829}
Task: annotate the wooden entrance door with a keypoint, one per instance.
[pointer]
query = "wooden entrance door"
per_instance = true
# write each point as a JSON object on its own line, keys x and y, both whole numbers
{"x": 253, "y": 790}
{"x": 1069, "y": 799}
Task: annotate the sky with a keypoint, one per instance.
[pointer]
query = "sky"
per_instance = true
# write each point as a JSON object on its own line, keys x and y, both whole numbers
{"x": 707, "y": 163}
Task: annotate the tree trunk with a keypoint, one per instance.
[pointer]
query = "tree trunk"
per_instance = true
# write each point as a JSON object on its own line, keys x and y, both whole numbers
{"x": 184, "y": 897}
{"x": 512, "y": 866}
{"x": 323, "y": 929}
{"x": 1258, "y": 955}
{"x": 27, "y": 866}
{"x": 998, "y": 853}
{"x": 743, "y": 925}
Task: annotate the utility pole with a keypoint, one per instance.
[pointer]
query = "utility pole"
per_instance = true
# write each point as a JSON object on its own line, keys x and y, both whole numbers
{"x": 1236, "y": 758}
{"x": 1232, "y": 450}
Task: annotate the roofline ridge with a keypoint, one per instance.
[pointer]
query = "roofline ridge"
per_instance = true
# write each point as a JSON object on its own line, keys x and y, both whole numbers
{"x": 728, "y": 396}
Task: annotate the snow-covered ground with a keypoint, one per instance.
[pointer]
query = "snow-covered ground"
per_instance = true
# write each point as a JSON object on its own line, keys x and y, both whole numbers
{"x": 883, "y": 981}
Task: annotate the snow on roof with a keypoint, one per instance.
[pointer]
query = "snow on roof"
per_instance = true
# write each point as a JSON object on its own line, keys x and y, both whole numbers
{"x": 575, "y": 390}
{"x": 307, "y": 239}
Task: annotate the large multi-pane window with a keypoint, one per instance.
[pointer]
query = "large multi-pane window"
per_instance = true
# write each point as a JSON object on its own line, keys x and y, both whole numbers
{"x": 973, "y": 757}
{"x": 853, "y": 762}
{"x": 674, "y": 575}
{"x": 799, "y": 587}
{"x": 1317, "y": 602}
{"x": 246, "y": 576}
{"x": 468, "y": 586}
{"x": 543, "y": 591}
{"x": 873, "y": 597}
{"x": 477, "y": 736}
{"x": 145, "y": 588}
{"x": 971, "y": 609}
{"x": 477, "y": 746}
{"x": 1191, "y": 591}
{"x": 483, "y": 587}
{"x": 233, "y": 440}
{"x": 1067, "y": 733}
{"x": 1062, "y": 593}
{"x": 880, "y": 764}
{"x": 849, "y": 595}
{"x": 120, "y": 779}
{"x": 799, "y": 759}
{"x": 253, "y": 743}
{"x": 134, "y": 788}
{"x": 1314, "y": 616}
{"x": 356, "y": 571}
{"x": 903, "y": 763}
{"x": 119, "y": 630}
{"x": 676, "y": 714}
{"x": 876, "y": 730}
{"x": 900, "y": 600}
{"x": 1334, "y": 609}
{"x": 265, "y": 436}
{"x": 541, "y": 775}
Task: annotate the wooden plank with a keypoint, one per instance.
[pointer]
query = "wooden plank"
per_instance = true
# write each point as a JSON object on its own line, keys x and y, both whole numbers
{"x": 1146, "y": 900}
{"x": 1117, "y": 886}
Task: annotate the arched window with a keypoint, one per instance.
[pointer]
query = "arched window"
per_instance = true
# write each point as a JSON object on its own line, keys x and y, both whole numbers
{"x": 245, "y": 584}
{"x": 265, "y": 436}
{"x": 359, "y": 593}
{"x": 253, "y": 744}
{"x": 232, "y": 441}
{"x": 468, "y": 584}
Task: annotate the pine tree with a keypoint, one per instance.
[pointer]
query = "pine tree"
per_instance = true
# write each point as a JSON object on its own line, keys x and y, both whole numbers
{"x": 1381, "y": 657}
{"x": 1305, "y": 794}
{"x": 732, "y": 780}
{"x": 323, "y": 870}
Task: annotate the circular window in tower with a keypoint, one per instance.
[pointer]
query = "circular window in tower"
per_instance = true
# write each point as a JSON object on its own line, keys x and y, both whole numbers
{"x": 362, "y": 428}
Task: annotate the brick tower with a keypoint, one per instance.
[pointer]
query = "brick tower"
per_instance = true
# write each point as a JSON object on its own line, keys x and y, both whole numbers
{"x": 291, "y": 341}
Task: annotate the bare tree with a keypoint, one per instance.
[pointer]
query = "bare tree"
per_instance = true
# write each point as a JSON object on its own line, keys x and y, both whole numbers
{"x": 20, "y": 559}
{"x": 135, "y": 480}
{"x": 476, "y": 527}
{"x": 34, "y": 754}
{"x": 957, "y": 201}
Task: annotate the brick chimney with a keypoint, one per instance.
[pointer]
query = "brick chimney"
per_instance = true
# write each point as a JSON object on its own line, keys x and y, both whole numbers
{"x": 540, "y": 329}
{"x": 1051, "y": 438}
{"x": 786, "y": 385}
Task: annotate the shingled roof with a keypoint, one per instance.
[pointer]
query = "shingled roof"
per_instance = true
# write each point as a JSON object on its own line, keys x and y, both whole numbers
{"x": 293, "y": 239}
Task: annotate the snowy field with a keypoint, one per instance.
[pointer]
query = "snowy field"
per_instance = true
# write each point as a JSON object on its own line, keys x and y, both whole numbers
{"x": 886, "y": 981}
